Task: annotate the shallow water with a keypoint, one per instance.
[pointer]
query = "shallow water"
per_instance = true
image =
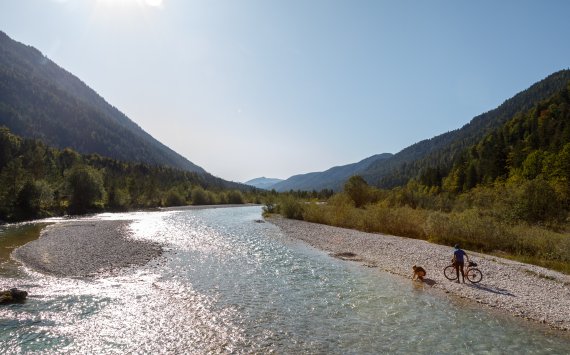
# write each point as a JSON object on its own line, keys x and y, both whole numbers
{"x": 229, "y": 284}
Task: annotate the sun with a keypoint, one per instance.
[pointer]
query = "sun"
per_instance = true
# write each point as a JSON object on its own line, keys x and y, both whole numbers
{"x": 155, "y": 3}
{"x": 151, "y": 3}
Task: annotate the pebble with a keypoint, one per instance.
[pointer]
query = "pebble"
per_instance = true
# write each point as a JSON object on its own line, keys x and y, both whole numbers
{"x": 542, "y": 295}
{"x": 86, "y": 248}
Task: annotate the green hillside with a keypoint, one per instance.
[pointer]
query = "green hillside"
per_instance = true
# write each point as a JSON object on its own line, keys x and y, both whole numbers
{"x": 532, "y": 145}
{"x": 38, "y": 99}
{"x": 444, "y": 150}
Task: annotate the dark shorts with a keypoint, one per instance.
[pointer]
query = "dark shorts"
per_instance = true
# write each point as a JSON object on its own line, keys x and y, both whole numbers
{"x": 459, "y": 263}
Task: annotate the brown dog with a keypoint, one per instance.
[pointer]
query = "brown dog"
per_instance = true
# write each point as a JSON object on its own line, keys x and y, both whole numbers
{"x": 419, "y": 273}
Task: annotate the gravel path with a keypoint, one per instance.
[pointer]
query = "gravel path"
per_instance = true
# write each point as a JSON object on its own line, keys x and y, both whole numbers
{"x": 85, "y": 248}
{"x": 524, "y": 290}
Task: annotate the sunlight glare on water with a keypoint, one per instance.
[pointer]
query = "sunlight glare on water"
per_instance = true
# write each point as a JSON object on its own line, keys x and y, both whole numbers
{"x": 226, "y": 284}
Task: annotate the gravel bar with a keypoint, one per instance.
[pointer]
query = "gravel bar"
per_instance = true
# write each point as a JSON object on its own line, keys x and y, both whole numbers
{"x": 524, "y": 290}
{"x": 85, "y": 248}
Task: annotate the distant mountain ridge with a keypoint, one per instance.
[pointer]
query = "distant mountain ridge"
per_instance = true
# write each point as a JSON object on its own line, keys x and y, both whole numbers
{"x": 444, "y": 150}
{"x": 38, "y": 99}
{"x": 332, "y": 178}
{"x": 263, "y": 182}
{"x": 440, "y": 152}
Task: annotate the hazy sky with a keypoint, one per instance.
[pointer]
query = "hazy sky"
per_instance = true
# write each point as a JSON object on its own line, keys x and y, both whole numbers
{"x": 276, "y": 88}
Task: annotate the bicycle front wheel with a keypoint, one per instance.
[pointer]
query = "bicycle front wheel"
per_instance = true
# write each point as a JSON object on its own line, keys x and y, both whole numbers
{"x": 450, "y": 273}
{"x": 474, "y": 275}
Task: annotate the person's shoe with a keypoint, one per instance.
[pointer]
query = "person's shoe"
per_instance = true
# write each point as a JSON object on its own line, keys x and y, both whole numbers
{"x": 458, "y": 282}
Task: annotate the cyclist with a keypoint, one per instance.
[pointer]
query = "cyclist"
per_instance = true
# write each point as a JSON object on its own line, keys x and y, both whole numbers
{"x": 459, "y": 262}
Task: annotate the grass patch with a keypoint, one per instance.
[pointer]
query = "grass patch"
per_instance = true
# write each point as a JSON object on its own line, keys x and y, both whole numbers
{"x": 472, "y": 228}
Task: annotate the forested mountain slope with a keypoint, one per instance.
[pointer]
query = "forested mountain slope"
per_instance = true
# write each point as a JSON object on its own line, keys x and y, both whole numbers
{"x": 332, "y": 178}
{"x": 534, "y": 144}
{"x": 444, "y": 150}
{"x": 38, "y": 99}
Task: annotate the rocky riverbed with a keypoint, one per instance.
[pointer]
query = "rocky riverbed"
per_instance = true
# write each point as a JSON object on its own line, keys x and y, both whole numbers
{"x": 85, "y": 248}
{"x": 523, "y": 290}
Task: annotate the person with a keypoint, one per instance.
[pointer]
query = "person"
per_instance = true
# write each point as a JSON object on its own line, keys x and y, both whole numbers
{"x": 419, "y": 273}
{"x": 459, "y": 257}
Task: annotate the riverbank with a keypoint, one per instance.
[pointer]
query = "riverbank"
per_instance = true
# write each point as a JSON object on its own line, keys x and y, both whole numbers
{"x": 85, "y": 248}
{"x": 206, "y": 207}
{"x": 524, "y": 290}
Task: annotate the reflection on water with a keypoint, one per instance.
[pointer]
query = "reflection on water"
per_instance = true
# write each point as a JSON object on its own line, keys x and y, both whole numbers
{"x": 228, "y": 284}
{"x": 12, "y": 237}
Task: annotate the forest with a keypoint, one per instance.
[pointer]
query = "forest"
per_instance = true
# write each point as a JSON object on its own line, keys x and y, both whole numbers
{"x": 38, "y": 181}
{"x": 507, "y": 195}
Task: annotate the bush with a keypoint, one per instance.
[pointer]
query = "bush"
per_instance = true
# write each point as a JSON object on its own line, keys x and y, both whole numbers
{"x": 357, "y": 189}
{"x": 270, "y": 206}
{"x": 537, "y": 202}
{"x": 174, "y": 198}
{"x": 200, "y": 197}
{"x": 118, "y": 199}
{"x": 235, "y": 197}
{"x": 291, "y": 208}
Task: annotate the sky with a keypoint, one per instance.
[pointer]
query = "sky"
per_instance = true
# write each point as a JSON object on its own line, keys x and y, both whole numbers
{"x": 250, "y": 88}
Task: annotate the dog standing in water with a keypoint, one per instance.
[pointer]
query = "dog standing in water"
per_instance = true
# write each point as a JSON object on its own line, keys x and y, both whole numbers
{"x": 419, "y": 273}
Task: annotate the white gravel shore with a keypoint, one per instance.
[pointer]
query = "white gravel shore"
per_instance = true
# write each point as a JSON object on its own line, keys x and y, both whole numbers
{"x": 85, "y": 248}
{"x": 523, "y": 290}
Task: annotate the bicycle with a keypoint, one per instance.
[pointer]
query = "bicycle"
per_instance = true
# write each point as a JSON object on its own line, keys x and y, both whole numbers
{"x": 472, "y": 274}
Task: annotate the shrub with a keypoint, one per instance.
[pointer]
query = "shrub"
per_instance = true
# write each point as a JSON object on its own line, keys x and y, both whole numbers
{"x": 537, "y": 202}
{"x": 174, "y": 198}
{"x": 118, "y": 199}
{"x": 235, "y": 197}
{"x": 290, "y": 207}
{"x": 200, "y": 197}
{"x": 270, "y": 206}
{"x": 357, "y": 189}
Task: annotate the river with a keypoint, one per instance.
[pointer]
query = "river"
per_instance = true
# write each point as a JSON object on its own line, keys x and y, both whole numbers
{"x": 228, "y": 284}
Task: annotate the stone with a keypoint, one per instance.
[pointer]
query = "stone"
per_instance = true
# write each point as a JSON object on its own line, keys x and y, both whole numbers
{"x": 12, "y": 295}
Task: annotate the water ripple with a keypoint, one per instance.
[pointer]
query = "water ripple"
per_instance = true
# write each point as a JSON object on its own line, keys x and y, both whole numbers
{"x": 229, "y": 285}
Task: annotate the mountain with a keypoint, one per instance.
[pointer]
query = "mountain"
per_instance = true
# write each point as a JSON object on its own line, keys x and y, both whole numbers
{"x": 40, "y": 100}
{"x": 434, "y": 156}
{"x": 444, "y": 150}
{"x": 332, "y": 178}
{"x": 534, "y": 144}
{"x": 263, "y": 182}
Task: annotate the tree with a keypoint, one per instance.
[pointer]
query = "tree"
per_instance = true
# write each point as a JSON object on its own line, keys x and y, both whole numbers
{"x": 11, "y": 181}
{"x": 34, "y": 199}
{"x": 235, "y": 197}
{"x": 86, "y": 187}
{"x": 537, "y": 202}
{"x": 357, "y": 189}
{"x": 199, "y": 196}
{"x": 174, "y": 198}
{"x": 532, "y": 166}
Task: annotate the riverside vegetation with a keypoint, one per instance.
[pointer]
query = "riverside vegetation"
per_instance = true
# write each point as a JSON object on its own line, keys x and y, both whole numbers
{"x": 38, "y": 181}
{"x": 508, "y": 194}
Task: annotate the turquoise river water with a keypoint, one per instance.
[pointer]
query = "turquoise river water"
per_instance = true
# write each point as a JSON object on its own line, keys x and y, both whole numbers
{"x": 227, "y": 284}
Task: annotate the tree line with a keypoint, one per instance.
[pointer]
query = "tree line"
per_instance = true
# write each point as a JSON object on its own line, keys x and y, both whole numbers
{"x": 40, "y": 181}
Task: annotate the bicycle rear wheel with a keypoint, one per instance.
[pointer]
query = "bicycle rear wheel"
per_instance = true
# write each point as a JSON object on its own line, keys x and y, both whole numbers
{"x": 474, "y": 275}
{"x": 449, "y": 272}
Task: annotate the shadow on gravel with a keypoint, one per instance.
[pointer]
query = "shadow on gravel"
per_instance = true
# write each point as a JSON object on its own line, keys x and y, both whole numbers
{"x": 347, "y": 255}
{"x": 496, "y": 290}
